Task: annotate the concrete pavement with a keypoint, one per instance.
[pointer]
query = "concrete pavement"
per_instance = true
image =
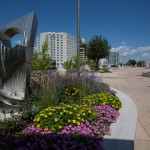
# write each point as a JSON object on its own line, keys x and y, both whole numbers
{"x": 130, "y": 81}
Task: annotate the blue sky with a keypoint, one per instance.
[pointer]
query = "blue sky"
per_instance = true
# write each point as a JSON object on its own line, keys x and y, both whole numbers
{"x": 125, "y": 23}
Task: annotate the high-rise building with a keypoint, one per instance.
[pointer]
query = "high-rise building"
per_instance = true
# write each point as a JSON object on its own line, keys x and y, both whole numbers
{"x": 113, "y": 59}
{"x": 61, "y": 46}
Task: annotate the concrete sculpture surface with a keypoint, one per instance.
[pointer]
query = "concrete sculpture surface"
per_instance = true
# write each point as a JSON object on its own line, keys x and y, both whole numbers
{"x": 15, "y": 63}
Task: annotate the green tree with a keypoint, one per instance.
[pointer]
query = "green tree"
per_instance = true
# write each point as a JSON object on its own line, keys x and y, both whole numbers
{"x": 131, "y": 62}
{"x": 72, "y": 63}
{"x": 98, "y": 48}
{"x": 41, "y": 62}
{"x": 140, "y": 63}
{"x": 91, "y": 63}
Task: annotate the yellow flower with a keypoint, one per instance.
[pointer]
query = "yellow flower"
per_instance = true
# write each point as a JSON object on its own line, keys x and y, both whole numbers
{"x": 60, "y": 127}
{"x": 53, "y": 129}
{"x": 46, "y": 128}
{"x": 50, "y": 113}
{"x": 34, "y": 120}
{"x": 78, "y": 115}
{"x": 82, "y": 119}
{"x": 74, "y": 121}
{"x": 83, "y": 114}
{"x": 38, "y": 126}
{"x": 56, "y": 119}
{"x": 70, "y": 112}
{"x": 61, "y": 113}
{"x": 38, "y": 119}
{"x": 89, "y": 111}
{"x": 45, "y": 116}
{"x": 79, "y": 118}
{"x": 78, "y": 123}
{"x": 41, "y": 114}
{"x": 69, "y": 120}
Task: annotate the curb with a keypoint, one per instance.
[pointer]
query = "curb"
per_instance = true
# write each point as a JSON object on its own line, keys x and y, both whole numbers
{"x": 123, "y": 135}
{"x": 109, "y": 75}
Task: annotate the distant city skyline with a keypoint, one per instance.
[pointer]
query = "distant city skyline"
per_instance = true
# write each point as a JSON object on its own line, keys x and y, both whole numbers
{"x": 125, "y": 24}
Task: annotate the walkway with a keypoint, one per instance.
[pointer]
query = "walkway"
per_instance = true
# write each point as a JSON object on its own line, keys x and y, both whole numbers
{"x": 131, "y": 82}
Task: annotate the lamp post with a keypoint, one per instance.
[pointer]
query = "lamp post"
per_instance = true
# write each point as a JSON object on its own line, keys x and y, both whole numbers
{"x": 78, "y": 37}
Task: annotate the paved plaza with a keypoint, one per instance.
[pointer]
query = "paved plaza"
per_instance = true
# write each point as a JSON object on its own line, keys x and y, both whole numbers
{"x": 130, "y": 81}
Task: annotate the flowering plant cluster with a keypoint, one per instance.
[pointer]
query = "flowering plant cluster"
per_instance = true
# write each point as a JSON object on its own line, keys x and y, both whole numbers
{"x": 70, "y": 95}
{"x": 89, "y": 70}
{"x": 53, "y": 89}
{"x": 102, "y": 98}
{"x": 106, "y": 114}
{"x": 112, "y": 92}
{"x": 56, "y": 117}
{"x": 72, "y": 91}
{"x": 49, "y": 142}
{"x": 104, "y": 71}
{"x": 97, "y": 129}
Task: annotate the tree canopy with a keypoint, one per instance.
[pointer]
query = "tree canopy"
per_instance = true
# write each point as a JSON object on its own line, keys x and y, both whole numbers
{"x": 98, "y": 48}
{"x": 72, "y": 63}
{"x": 131, "y": 62}
{"x": 41, "y": 62}
{"x": 140, "y": 63}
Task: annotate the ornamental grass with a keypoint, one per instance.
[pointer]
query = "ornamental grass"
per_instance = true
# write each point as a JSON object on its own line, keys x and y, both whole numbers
{"x": 53, "y": 89}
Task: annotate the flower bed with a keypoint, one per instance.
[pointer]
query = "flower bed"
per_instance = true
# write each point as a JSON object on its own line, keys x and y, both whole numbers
{"x": 76, "y": 121}
{"x": 49, "y": 142}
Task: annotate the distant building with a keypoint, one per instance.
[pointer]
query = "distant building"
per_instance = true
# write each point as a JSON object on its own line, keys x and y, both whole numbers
{"x": 82, "y": 54}
{"x": 147, "y": 64}
{"x": 61, "y": 46}
{"x": 113, "y": 59}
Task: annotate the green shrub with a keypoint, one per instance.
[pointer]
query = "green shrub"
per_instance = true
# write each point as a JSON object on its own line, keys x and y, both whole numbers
{"x": 55, "y": 118}
{"x": 17, "y": 122}
{"x": 101, "y": 71}
{"x": 102, "y": 99}
{"x": 104, "y": 71}
{"x": 12, "y": 125}
{"x": 89, "y": 70}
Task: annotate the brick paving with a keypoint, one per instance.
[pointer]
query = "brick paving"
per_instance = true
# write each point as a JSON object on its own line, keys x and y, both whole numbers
{"x": 131, "y": 82}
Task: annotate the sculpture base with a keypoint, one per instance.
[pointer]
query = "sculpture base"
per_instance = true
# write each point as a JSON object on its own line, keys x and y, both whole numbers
{"x": 6, "y": 111}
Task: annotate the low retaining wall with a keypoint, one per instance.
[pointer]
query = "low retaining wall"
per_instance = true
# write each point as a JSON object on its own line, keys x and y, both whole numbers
{"x": 124, "y": 130}
{"x": 109, "y": 75}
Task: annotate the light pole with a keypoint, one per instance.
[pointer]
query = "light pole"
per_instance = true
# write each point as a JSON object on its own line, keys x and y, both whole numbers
{"x": 78, "y": 37}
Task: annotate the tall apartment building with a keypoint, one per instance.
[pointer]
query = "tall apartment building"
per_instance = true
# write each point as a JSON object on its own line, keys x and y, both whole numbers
{"x": 113, "y": 59}
{"x": 61, "y": 46}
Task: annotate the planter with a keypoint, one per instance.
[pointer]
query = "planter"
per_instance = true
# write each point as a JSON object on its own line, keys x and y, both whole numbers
{"x": 124, "y": 130}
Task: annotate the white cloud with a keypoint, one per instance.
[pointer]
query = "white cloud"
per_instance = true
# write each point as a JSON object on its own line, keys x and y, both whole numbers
{"x": 146, "y": 55}
{"x": 126, "y": 52}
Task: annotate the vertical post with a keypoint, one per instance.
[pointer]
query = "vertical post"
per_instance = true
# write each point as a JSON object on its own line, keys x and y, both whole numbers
{"x": 78, "y": 37}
